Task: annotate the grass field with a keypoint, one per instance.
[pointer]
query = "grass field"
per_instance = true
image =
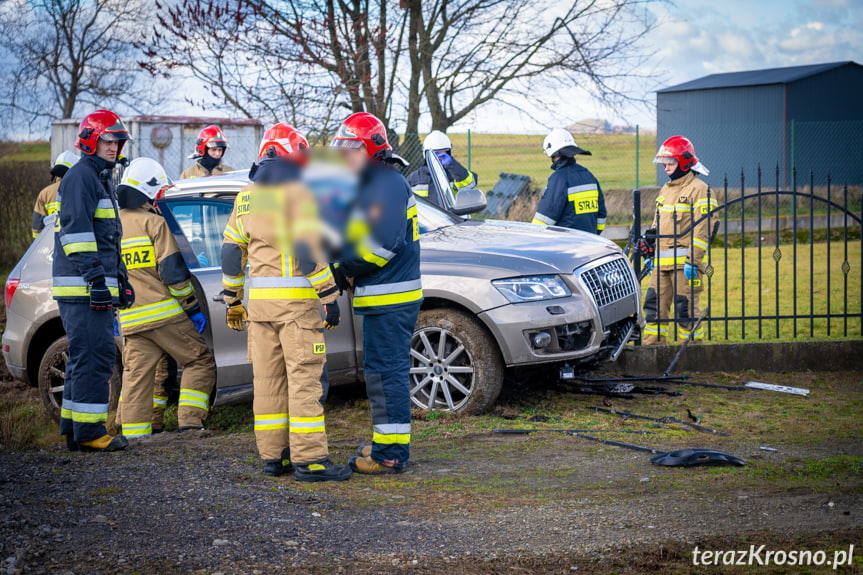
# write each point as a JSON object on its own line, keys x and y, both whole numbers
{"x": 25, "y": 152}
{"x": 740, "y": 273}
{"x": 612, "y": 162}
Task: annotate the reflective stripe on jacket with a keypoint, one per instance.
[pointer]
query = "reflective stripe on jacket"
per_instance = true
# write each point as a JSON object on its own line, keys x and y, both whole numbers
{"x": 87, "y": 233}
{"x": 572, "y": 199}
{"x": 382, "y": 250}
{"x": 680, "y": 204}
{"x": 276, "y": 230}
{"x": 46, "y": 205}
{"x": 157, "y": 271}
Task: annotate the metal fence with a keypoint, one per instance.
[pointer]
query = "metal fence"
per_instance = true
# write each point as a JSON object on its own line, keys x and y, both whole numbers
{"x": 784, "y": 262}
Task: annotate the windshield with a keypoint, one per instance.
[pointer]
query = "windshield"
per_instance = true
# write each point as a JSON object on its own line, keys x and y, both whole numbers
{"x": 432, "y": 218}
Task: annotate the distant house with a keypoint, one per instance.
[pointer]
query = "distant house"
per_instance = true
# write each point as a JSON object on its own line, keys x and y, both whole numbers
{"x": 808, "y": 116}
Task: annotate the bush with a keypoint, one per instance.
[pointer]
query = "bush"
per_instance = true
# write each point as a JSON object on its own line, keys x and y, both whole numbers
{"x": 20, "y": 183}
{"x": 23, "y": 423}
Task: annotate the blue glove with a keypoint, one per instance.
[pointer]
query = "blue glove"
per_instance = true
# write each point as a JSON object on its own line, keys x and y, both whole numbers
{"x": 445, "y": 159}
{"x": 647, "y": 265}
{"x": 690, "y": 271}
{"x": 203, "y": 259}
{"x": 116, "y": 327}
{"x": 199, "y": 320}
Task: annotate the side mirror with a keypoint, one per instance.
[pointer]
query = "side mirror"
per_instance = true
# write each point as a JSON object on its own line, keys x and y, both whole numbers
{"x": 469, "y": 201}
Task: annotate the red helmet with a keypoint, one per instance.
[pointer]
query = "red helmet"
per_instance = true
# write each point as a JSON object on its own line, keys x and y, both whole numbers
{"x": 680, "y": 149}
{"x": 285, "y": 141}
{"x": 363, "y": 128}
{"x": 101, "y": 125}
{"x": 209, "y": 137}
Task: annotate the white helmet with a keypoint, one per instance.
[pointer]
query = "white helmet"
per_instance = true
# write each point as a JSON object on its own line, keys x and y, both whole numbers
{"x": 63, "y": 162}
{"x": 67, "y": 159}
{"x": 557, "y": 140}
{"x": 147, "y": 176}
{"x": 437, "y": 141}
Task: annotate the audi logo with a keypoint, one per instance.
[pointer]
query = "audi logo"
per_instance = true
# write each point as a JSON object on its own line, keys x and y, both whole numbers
{"x": 613, "y": 278}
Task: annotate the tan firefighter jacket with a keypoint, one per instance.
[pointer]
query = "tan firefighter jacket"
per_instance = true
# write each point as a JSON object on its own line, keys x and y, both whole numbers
{"x": 196, "y": 170}
{"x": 276, "y": 230}
{"x": 683, "y": 235}
{"x": 46, "y": 205}
{"x": 157, "y": 272}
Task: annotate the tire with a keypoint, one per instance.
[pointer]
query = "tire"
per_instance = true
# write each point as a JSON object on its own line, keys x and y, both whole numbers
{"x": 466, "y": 376}
{"x": 52, "y": 372}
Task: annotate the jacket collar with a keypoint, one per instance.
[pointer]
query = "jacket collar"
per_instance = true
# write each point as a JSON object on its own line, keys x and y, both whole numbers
{"x": 682, "y": 181}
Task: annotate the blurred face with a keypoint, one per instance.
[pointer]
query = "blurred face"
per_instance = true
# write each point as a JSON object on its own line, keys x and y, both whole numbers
{"x": 670, "y": 166}
{"x": 107, "y": 150}
{"x": 356, "y": 159}
{"x": 216, "y": 153}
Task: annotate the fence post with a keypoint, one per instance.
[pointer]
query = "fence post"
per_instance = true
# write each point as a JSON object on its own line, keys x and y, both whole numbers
{"x": 636, "y": 157}
{"x": 468, "y": 150}
{"x": 636, "y": 233}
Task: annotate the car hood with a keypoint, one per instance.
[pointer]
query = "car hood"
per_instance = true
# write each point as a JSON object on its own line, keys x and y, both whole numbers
{"x": 505, "y": 249}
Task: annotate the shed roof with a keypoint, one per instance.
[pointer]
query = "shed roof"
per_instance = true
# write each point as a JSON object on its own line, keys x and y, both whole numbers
{"x": 757, "y": 77}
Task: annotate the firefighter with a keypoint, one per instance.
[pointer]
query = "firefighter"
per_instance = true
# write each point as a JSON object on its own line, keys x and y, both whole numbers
{"x": 89, "y": 281}
{"x": 461, "y": 177}
{"x": 166, "y": 318}
{"x": 572, "y": 198}
{"x": 209, "y": 151}
{"x": 381, "y": 260}
{"x": 46, "y": 201}
{"x": 680, "y": 246}
{"x": 274, "y": 227}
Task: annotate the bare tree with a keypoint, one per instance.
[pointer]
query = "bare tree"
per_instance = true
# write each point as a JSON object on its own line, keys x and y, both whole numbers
{"x": 472, "y": 52}
{"x": 62, "y": 56}
{"x": 303, "y": 60}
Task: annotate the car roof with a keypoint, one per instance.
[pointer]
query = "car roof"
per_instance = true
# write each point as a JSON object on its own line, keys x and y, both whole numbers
{"x": 231, "y": 183}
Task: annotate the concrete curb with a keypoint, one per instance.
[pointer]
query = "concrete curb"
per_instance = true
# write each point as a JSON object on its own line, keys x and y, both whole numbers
{"x": 834, "y": 355}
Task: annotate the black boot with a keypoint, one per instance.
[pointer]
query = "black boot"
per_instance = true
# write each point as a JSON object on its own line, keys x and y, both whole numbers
{"x": 322, "y": 470}
{"x": 279, "y": 467}
{"x": 71, "y": 444}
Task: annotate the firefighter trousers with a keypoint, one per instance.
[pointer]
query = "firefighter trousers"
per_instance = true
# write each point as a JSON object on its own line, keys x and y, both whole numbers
{"x": 142, "y": 353}
{"x": 386, "y": 364}
{"x": 288, "y": 359}
{"x": 92, "y": 355}
{"x": 670, "y": 288}
{"x": 160, "y": 395}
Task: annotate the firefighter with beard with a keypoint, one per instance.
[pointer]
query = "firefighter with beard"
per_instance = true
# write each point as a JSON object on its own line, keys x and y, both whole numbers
{"x": 89, "y": 281}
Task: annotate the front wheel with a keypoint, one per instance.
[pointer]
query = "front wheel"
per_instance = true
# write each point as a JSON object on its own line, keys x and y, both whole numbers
{"x": 455, "y": 364}
{"x": 52, "y": 378}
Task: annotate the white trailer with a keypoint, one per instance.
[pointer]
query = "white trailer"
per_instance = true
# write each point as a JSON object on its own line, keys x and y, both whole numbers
{"x": 171, "y": 139}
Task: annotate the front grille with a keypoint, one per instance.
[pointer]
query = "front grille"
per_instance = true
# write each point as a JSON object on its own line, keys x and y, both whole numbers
{"x": 609, "y": 282}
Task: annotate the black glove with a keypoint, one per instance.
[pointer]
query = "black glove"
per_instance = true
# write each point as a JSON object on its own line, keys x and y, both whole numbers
{"x": 341, "y": 279}
{"x": 334, "y": 315}
{"x": 647, "y": 243}
{"x": 100, "y": 296}
{"x": 127, "y": 294}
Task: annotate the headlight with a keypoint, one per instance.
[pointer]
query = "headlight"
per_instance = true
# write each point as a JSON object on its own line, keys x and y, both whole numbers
{"x": 532, "y": 288}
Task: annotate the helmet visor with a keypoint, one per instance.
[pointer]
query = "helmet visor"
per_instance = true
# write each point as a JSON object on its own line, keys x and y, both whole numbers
{"x": 665, "y": 160}
{"x": 217, "y": 144}
{"x": 114, "y": 136}
{"x": 345, "y": 143}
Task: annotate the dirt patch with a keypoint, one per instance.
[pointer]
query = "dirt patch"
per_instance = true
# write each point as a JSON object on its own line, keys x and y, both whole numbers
{"x": 474, "y": 502}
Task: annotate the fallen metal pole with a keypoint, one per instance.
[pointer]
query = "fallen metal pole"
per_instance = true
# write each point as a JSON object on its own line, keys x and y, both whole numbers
{"x": 568, "y": 431}
{"x": 627, "y": 414}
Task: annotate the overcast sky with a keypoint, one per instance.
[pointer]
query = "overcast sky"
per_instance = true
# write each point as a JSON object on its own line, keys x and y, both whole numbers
{"x": 701, "y": 37}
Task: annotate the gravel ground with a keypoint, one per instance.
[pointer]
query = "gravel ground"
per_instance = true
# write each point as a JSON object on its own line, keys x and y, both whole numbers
{"x": 474, "y": 502}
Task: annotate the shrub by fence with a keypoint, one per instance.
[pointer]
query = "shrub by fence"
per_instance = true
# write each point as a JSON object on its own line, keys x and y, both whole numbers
{"x": 19, "y": 185}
